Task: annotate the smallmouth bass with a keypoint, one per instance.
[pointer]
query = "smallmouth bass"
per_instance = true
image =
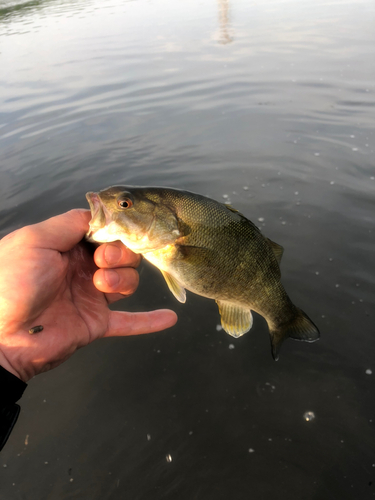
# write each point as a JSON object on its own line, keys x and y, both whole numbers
{"x": 206, "y": 247}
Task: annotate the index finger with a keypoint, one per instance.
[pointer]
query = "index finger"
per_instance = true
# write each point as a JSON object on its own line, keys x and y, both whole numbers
{"x": 61, "y": 232}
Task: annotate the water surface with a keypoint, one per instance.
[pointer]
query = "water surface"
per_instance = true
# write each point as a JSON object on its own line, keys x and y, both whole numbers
{"x": 270, "y": 106}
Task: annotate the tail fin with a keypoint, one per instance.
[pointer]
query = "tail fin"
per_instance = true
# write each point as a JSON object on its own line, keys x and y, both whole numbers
{"x": 299, "y": 328}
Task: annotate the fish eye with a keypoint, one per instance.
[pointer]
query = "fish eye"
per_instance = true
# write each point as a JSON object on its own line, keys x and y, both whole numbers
{"x": 125, "y": 203}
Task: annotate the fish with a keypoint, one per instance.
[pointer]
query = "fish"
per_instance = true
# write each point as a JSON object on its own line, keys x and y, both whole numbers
{"x": 206, "y": 247}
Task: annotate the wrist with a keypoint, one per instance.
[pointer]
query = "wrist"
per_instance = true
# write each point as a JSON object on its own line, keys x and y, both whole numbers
{"x": 9, "y": 367}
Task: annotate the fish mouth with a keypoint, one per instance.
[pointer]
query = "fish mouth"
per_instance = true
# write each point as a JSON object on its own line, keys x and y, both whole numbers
{"x": 100, "y": 216}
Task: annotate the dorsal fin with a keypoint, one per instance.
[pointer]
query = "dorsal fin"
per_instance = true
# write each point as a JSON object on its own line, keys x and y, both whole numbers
{"x": 234, "y": 210}
{"x": 278, "y": 250}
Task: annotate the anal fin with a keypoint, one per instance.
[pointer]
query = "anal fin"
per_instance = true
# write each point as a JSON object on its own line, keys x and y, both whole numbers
{"x": 235, "y": 320}
{"x": 175, "y": 287}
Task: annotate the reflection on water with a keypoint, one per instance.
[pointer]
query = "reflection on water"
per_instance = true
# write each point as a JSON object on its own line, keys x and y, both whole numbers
{"x": 224, "y": 22}
{"x": 12, "y": 6}
{"x": 273, "y": 112}
{"x": 13, "y": 9}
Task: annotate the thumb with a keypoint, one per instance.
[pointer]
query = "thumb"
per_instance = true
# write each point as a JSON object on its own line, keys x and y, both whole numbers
{"x": 125, "y": 323}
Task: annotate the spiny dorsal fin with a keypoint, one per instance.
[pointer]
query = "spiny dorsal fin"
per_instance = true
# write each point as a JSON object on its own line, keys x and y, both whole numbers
{"x": 175, "y": 287}
{"x": 235, "y": 319}
{"x": 278, "y": 250}
{"x": 232, "y": 209}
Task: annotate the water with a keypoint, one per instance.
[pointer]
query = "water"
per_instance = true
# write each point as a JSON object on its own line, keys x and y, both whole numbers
{"x": 269, "y": 106}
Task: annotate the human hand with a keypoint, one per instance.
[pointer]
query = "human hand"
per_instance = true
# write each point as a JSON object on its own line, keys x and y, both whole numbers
{"x": 49, "y": 278}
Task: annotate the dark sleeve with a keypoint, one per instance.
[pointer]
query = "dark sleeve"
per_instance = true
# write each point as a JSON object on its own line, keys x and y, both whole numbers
{"x": 11, "y": 390}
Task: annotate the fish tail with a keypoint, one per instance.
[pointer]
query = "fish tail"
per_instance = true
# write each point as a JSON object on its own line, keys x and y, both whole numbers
{"x": 300, "y": 327}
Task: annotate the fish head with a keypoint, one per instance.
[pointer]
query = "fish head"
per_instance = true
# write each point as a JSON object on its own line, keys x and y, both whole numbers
{"x": 141, "y": 219}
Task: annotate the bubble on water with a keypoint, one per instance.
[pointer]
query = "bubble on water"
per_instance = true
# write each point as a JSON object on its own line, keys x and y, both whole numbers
{"x": 219, "y": 328}
{"x": 261, "y": 219}
{"x": 245, "y": 188}
{"x": 317, "y": 273}
{"x": 352, "y": 136}
{"x": 316, "y": 154}
{"x": 231, "y": 346}
{"x": 283, "y": 222}
{"x": 309, "y": 416}
{"x": 148, "y": 437}
{"x": 332, "y": 183}
{"x": 168, "y": 458}
{"x": 354, "y": 149}
{"x": 225, "y": 196}
{"x": 251, "y": 450}
{"x": 270, "y": 386}
{"x": 337, "y": 285}
{"x": 296, "y": 193}
{"x": 368, "y": 371}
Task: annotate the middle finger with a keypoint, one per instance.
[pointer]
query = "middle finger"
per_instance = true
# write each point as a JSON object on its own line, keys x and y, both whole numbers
{"x": 115, "y": 254}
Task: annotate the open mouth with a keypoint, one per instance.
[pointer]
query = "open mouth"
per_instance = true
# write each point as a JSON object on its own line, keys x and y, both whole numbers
{"x": 98, "y": 216}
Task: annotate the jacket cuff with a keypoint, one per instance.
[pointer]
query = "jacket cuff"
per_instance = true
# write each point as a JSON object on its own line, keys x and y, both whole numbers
{"x": 11, "y": 387}
{"x": 11, "y": 390}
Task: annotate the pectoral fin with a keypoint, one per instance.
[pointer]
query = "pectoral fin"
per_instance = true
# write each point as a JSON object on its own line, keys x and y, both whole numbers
{"x": 175, "y": 287}
{"x": 235, "y": 319}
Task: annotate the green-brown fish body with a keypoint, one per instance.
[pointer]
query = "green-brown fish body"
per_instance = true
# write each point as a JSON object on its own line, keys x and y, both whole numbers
{"x": 206, "y": 247}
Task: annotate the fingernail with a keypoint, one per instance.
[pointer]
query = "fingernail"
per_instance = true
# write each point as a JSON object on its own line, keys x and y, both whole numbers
{"x": 112, "y": 254}
{"x": 111, "y": 277}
